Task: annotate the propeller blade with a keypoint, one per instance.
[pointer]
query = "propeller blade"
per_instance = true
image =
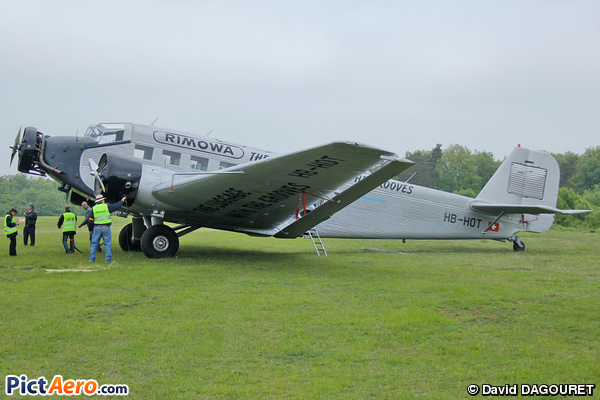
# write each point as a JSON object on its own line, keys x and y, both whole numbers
{"x": 16, "y": 146}
{"x": 95, "y": 174}
{"x": 93, "y": 166}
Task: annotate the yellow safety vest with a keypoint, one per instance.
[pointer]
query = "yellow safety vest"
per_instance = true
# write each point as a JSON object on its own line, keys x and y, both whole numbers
{"x": 101, "y": 214}
{"x": 7, "y": 229}
{"x": 69, "y": 222}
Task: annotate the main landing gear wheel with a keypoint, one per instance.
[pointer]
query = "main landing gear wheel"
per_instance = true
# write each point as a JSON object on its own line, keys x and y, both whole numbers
{"x": 159, "y": 241}
{"x": 126, "y": 239}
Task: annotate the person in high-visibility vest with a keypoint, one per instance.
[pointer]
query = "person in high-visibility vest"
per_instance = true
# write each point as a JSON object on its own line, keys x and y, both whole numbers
{"x": 102, "y": 221}
{"x": 88, "y": 220}
{"x": 68, "y": 223}
{"x": 11, "y": 232}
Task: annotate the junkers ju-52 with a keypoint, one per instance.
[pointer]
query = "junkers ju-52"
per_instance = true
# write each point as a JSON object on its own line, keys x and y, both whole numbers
{"x": 198, "y": 181}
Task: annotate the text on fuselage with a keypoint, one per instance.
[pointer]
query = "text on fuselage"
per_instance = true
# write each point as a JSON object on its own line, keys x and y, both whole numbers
{"x": 393, "y": 185}
{"x": 205, "y": 146}
{"x": 466, "y": 221}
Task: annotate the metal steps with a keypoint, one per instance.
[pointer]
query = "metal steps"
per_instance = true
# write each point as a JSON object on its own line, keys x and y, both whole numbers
{"x": 313, "y": 235}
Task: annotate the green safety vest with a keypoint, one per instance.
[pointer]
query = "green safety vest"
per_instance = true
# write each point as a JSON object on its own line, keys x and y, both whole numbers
{"x": 69, "y": 222}
{"x": 7, "y": 229}
{"x": 101, "y": 214}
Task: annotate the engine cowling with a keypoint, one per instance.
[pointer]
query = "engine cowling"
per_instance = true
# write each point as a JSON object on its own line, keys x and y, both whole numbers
{"x": 29, "y": 150}
{"x": 121, "y": 175}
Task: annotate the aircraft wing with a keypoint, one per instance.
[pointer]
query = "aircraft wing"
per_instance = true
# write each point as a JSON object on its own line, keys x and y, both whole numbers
{"x": 341, "y": 200}
{"x": 521, "y": 209}
{"x": 258, "y": 197}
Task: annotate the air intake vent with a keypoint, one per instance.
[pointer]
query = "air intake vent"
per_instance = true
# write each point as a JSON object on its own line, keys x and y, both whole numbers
{"x": 527, "y": 181}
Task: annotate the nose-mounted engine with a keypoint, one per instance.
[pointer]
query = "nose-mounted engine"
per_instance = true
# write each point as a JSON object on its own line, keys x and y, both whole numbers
{"x": 29, "y": 149}
{"x": 120, "y": 175}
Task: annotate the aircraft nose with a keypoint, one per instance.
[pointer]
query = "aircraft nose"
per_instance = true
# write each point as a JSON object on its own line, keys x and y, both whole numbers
{"x": 29, "y": 150}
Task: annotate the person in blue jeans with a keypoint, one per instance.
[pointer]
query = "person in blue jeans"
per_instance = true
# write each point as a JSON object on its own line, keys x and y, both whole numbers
{"x": 88, "y": 220}
{"x": 102, "y": 222}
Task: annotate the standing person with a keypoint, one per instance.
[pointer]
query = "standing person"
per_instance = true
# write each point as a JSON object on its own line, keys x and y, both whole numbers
{"x": 11, "y": 231}
{"x": 68, "y": 222}
{"x": 30, "y": 220}
{"x": 89, "y": 221}
{"x": 102, "y": 222}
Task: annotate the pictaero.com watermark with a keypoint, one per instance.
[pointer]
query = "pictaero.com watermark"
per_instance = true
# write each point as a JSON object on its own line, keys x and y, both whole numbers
{"x": 70, "y": 387}
{"x": 561, "y": 389}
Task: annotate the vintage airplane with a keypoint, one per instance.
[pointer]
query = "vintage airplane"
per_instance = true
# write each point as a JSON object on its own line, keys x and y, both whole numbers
{"x": 197, "y": 181}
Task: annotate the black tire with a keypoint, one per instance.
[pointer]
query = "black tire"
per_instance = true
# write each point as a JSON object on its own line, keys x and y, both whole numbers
{"x": 125, "y": 239}
{"x": 160, "y": 241}
{"x": 516, "y": 246}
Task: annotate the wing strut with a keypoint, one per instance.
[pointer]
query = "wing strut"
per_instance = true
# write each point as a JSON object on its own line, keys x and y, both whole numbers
{"x": 302, "y": 202}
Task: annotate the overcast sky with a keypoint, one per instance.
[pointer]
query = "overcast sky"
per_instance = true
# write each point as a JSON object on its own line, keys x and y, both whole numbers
{"x": 285, "y": 75}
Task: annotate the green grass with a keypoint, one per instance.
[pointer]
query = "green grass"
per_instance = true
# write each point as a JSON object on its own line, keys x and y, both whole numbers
{"x": 242, "y": 317}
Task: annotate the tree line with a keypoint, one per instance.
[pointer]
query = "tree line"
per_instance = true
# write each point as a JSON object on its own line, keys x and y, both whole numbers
{"x": 455, "y": 169}
{"x": 19, "y": 190}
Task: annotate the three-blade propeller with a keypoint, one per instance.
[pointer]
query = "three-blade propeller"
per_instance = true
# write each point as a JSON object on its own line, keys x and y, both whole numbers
{"x": 16, "y": 146}
{"x": 94, "y": 172}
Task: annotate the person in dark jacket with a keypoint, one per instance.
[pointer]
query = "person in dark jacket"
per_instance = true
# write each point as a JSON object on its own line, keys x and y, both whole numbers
{"x": 10, "y": 230}
{"x": 88, "y": 220}
{"x": 30, "y": 221}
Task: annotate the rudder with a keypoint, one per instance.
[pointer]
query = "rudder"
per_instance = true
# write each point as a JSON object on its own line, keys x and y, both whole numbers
{"x": 526, "y": 177}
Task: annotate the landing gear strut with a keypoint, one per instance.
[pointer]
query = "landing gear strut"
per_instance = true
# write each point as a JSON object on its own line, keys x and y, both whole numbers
{"x": 158, "y": 241}
{"x": 518, "y": 245}
{"x": 127, "y": 239}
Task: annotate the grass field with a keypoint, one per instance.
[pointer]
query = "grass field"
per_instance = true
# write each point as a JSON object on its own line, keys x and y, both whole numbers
{"x": 241, "y": 317}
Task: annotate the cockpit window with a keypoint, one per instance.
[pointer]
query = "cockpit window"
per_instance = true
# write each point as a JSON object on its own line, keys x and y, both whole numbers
{"x": 106, "y": 133}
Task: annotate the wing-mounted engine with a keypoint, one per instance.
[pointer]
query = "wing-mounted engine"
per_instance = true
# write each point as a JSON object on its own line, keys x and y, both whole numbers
{"x": 120, "y": 175}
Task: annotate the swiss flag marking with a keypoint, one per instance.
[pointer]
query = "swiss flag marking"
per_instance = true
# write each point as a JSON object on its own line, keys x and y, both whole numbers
{"x": 495, "y": 228}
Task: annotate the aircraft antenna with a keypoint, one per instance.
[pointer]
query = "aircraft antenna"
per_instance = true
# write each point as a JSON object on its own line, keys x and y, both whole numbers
{"x": 77, "y": 135}
{"x": 414, "y": 173}
{"x": 211, "y": 131}
{"x": 153, "y": 122}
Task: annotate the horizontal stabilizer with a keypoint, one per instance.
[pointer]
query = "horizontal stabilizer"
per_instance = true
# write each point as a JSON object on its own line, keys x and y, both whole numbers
{"x": 521, "y": 209}
{"x": 327, "y": 209}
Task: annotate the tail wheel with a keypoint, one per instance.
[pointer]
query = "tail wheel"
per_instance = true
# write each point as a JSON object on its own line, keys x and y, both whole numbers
{"x": 518, "y": 246}
{"x": 159, "y": 241}
{"x": 126, "y": 239}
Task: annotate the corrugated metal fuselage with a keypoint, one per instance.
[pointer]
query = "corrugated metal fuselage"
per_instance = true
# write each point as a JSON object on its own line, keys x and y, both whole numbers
{"x": 394, "y": 210}
{"x": 398, "y": 210}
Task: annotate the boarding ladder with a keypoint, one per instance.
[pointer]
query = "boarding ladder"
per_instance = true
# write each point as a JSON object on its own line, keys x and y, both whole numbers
{"x": 313, "y": 235}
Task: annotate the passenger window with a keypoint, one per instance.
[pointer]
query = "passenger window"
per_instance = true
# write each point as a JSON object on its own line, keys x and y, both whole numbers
{"x": 223, "y": 165}
{"x": 199, "y": 163}
{"x": 143, "y": 152}
{"x": 171, "y": 157}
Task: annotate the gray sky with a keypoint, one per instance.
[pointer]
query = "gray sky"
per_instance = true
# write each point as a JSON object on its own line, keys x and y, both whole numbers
{"x": 282, "y": 75}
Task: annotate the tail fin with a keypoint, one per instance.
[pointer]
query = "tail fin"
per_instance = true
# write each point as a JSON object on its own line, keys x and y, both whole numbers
{"x": 526, "y": 177}
{"x": 526, "y": 183}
